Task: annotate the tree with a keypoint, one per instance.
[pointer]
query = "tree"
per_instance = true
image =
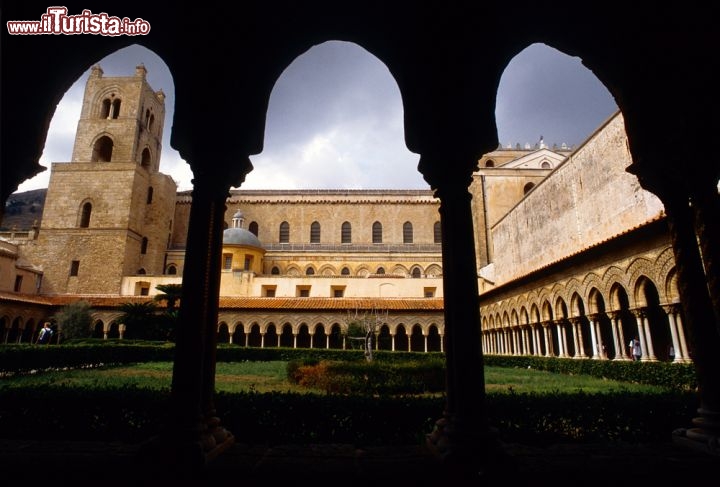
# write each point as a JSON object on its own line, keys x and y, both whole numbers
{"x": 141, "y": 321}
{"x": 363, "y": 328}
{"x": 74, "y": 320}
{"x": 171, "y": 295}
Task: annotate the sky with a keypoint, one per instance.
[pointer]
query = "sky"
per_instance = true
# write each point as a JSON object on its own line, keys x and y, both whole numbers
{"x": 336, "y": 117}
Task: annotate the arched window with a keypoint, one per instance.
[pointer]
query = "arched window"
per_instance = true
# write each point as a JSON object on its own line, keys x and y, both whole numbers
{"x": 528, "y": 187}
{"x": 437, "y": 233}
{"x": 407, "y": 233}
{"x": 284, "y": 232}
{"x": 141, "y": 271}
{"x": 346, "y": 233}
{"x": 85, "y": 215}
{"x": 315, "y": 232}
{"x": 377, "y": 232}
{"x": 253, "y": 227}
{"x": 309, "y": 271}
{"x": 380, "y": 270}
{"x": 152, "y": 122}
{"x": 345, "y": 271}
{"x": 105, "y": 110}
{"x": 147, "y": 118}
{"x": 144, "y": 245}
{"x": 172, "y": 270}
{"x": 150, "y": 194}
{"x": 116, "y": 108}
{"x": 545, "y": 165}
{"x": 416, "y": 272}
{"x": 275, "y": 271}
{"x": 145, "y": 158}
{"x": 102, "y": 150}
{"x": 489, "y": 163}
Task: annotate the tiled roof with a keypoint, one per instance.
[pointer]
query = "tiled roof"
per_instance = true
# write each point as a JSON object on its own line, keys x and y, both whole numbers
{"x": 429, "y": 304}
{"x": 229, "y": 302}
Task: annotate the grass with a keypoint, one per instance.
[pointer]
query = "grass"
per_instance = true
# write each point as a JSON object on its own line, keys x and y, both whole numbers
{"x": 271, "y": 377}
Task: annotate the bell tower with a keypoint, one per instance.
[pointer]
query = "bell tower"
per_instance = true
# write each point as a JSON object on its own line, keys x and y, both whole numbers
{"x": 108, "y": 212}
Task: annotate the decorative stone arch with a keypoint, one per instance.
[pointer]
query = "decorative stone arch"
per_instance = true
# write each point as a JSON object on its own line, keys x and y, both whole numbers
{"x": 613, "y": 275}
{"x": 671, "y": 287}
{"x": 102, "y": 147}
{"x": 595, "y": 299}
{"x": 543, "y": 296}
{"x": 666, "y": 273}
{"x": 546, "y": 310}
{"x": 641, "y": 267}
{"x": 573, "y": 286}
{"x": 147, "y": 159}
{"x": 514, "y": 320}
{"x": 561, "y": 308}
{"x": 639, "y": 293}
{"x": 433, "y": 270}
{"x": 293, "y": 270}
{"x": 558, "y": 290}
{"x": 327, "y": 270}
{"x": 590, "y": 281}
{"x": 362, "y": 271}
{"x": 523, "y": 316}
{"x": 535, "y": 316}
{"x": 400, "y": 270}
{"x": 577, "y": 305}
{"x": 506, "y": 320}
{"x": 110, "y": 93}
{"x": 615, "y": 290}
{"x": 85, "y": 213}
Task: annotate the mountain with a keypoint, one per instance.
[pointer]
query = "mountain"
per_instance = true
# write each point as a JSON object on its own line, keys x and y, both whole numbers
{"x": 22, "y": 210}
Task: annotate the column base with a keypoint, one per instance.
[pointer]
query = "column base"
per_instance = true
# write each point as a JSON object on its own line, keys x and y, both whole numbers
{"x": 469, "y": 454}
{"x": 181, "y": 453}
{"x": 704, "y": 437}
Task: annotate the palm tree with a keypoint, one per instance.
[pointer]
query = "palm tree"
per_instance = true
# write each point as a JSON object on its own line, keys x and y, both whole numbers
{"x": 140, "y": 319}
{"x": 171, "y": 295}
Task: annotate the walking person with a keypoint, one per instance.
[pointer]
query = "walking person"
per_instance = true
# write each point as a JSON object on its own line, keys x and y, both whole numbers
{"x": 45, "y": 334}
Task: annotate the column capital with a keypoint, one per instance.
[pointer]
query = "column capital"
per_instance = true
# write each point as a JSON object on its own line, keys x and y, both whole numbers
{"x": 639, "y": 312}
{"x": 450, "y": 174}
{"x": 218, "y": 174}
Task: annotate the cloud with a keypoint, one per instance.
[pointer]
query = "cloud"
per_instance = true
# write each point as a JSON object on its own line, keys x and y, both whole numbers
{"x": 335, "y": 118}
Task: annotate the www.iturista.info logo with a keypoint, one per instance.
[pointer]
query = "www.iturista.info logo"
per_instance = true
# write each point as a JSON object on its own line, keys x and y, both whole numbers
{"x": 57, "y": 21}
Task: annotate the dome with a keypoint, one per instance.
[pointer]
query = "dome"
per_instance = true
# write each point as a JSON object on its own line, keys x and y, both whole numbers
{"x": 240, "y": 236}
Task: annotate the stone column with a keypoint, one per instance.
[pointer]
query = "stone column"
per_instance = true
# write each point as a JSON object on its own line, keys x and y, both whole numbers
{"x": 594, "y": 334}
{"x": 578, "y": 338}
{"x": 463, "y": 436}
{"x": 194, "y": 434}
{"x": 670, "y": 310}
{"x": 700, "y": 319}
{"x": 549, "y": 351}
{"x": 562, "y": 338}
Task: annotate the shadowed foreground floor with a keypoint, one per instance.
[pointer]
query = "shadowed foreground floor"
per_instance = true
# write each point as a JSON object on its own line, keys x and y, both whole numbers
{"x": 106, "y": 464}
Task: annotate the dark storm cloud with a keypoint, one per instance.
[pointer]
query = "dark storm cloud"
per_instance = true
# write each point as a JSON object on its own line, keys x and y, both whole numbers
{"x": 335, "y": 118}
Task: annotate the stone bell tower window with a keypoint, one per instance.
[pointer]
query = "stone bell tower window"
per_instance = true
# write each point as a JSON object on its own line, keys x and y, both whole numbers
{"x": 102, "y": 150}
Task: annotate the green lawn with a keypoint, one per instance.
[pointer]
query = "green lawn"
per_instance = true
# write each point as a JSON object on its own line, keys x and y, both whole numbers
{"x": 271, "y": 376}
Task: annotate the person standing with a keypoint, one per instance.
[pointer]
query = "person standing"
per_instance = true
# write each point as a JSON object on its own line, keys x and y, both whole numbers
{"x": 635, "y": 349}
{"x": 45, "y": 334}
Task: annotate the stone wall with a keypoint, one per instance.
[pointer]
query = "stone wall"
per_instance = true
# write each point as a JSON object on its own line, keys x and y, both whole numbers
{"x": 588, "y": 199}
